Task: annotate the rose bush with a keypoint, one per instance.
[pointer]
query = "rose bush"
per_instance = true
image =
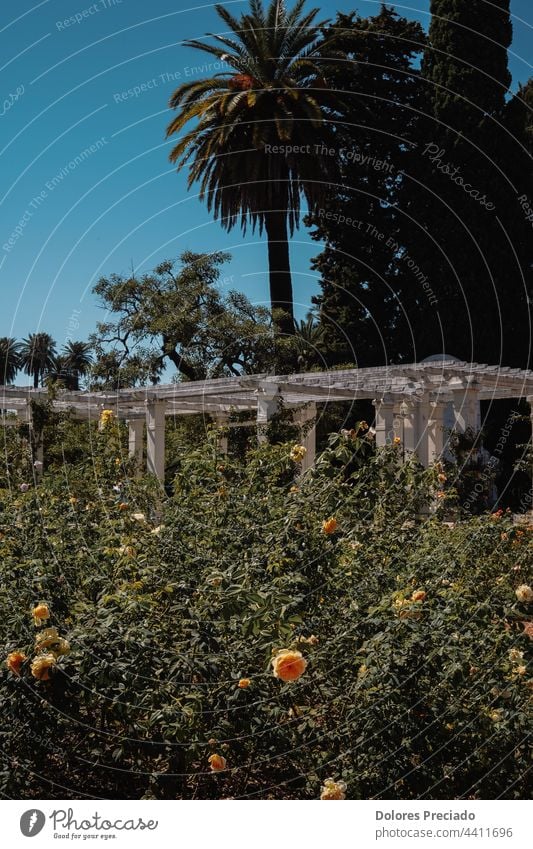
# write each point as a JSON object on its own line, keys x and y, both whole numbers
{"x": 224, "y": 642}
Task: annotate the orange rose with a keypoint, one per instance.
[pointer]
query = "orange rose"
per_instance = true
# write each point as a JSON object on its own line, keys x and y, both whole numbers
{"x": 288, "y": 665}
{"x": 122, "y": 506}
{"x": 329, "y": 526}
{"x": 40, "y": 613}
{"x": 405, "y": 609}
{"x": 217, "y": 763}
{"x": 42, "y": 665}
{"x": 397, "y": 440}
{"x": 244, "y": 683}
{"x": 14, "y": 661}
{"x": 419, "y": 595}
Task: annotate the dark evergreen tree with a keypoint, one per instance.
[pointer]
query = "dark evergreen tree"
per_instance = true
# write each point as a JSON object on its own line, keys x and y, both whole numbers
{"x": 462, "y": 192}
{"x": 376, "y": 79}
{"x": 466, "y": 64}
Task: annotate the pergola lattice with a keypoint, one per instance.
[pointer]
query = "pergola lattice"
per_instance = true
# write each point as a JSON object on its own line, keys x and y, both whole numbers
{"x": 417, "y": 402}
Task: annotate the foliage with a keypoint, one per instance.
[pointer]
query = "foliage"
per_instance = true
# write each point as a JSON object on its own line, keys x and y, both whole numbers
{"x": 9, "y": 359}
{"x": 37, "y": 355}
{"x": 75, "y": 362}
{"x": 179, "y": 316}
{"x": 465, "y": 228}
{"x": 361, "y": 221}
{"x": 173, "y": 609}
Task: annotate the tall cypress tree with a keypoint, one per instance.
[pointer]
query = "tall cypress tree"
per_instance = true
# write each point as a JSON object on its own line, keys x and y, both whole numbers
{"x": 466, "y": 63}
{"x": 463, "y": 193}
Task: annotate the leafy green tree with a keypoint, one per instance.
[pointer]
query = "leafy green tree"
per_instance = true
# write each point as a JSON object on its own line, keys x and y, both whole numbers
{"x": 9, "y": 359}
{"x": 258, "y": 131}
{"x": 37, "y": 355}
{"x": 178, "y": 315}
{"x": 359, "y": 305}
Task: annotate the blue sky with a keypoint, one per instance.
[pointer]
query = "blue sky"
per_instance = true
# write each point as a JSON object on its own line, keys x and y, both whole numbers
{"x": 66, "y": 222}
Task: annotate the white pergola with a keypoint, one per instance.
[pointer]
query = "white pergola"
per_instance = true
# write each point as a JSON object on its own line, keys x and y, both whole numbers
{"x": 419, "y": 403}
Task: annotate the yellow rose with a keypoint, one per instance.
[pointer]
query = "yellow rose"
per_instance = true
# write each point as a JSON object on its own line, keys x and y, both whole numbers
{"x": 515, "y": 656}
{"x": 50, "y": 639}
{"x": 288, "y": 665}
{"x": 217, "y": 763}
{"x": 244, "y": 683}
{"x": 40, "y": 613}
{"x": 524, "y": 593}
{"x": 298, "y": 452}
{"x": 329, "y": 526}
{"x": 496, "y": 715}
{"x": 46, "y": 638}
{"x": 333, "y": 790}
{"x": 14, "y": 661}
{"x": 106, "y": 419}
{"x": 42, "y": 665}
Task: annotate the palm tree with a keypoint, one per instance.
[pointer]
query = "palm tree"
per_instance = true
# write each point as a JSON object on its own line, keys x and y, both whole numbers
{"x": 9, "y": 359}
{"x": 256, "y": 147}
{"x": 76, "y": 361}
{"x": 37, "y": 355}
{"x": 309, "y": 337}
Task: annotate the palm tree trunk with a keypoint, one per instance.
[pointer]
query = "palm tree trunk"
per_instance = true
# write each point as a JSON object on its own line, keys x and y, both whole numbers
{"x": 280, "y": 272}
{"x": 36, "y": 379}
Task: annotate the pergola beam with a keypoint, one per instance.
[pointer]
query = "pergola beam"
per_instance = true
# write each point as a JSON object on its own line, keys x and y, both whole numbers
{"x": 410, "y": 401}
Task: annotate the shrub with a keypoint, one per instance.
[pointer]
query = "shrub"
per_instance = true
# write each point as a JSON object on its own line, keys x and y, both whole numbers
{"x": 414, "y": 683}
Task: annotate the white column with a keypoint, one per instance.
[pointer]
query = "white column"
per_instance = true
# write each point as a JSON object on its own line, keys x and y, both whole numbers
{"x": 423, "y": 426}
{"x": 268, "y": 399}
{"x": 155, "y": 438}
{"x": 35, "y": 442}
{"x": 409, "y": 427}
{"x": 436, "y": 431}
{"x": 466, "y": 409}
{"x": 384, "y": 425}
{"x": 303, "y": 417}
{"x": 221, "y": 421}
{"x": 38, "y": 460}
{"x": 135, "y": 441}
